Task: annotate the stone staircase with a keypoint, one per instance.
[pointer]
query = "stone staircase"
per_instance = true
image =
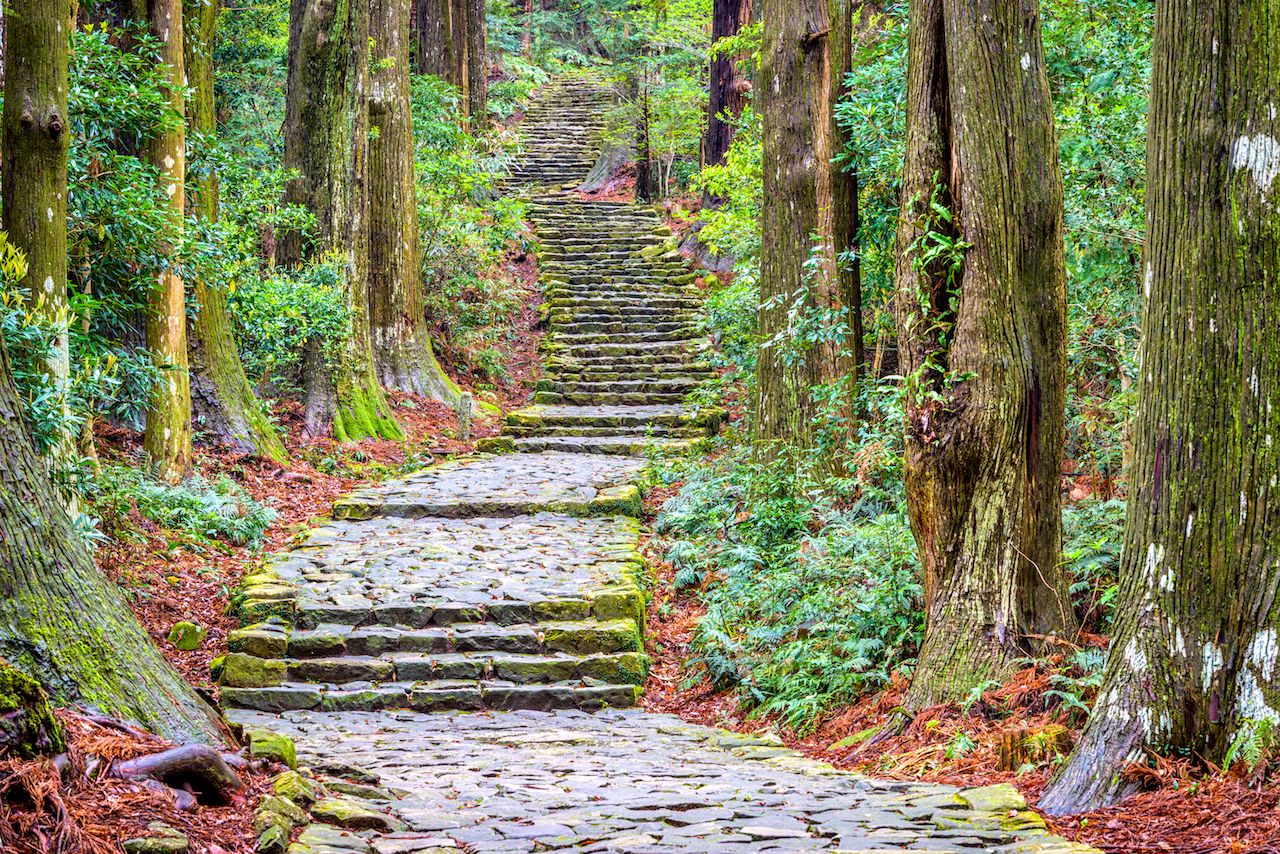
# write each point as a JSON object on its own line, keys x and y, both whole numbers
{"x": 508, "y": 582}
{"x": 561, "y": 132}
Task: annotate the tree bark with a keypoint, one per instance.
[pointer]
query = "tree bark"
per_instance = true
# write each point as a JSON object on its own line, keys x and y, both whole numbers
{"x": 461, "y": 77}
{"x": 435, "y": 39}
{"x": 326, "y": 141}
{"x": 982, "y": 340}
{"x": 402, "y": 345}
{"x": 167, "y": 437}
{"x": 477, "y": 64}
{"x": 809, "y": 223}
{"x": 61, "y": 621}
{"x": 36, "y": 139}
{"x": 222, "y": 401}
{"x": 1193, "y": 658}
{"x": 727, "y": 87}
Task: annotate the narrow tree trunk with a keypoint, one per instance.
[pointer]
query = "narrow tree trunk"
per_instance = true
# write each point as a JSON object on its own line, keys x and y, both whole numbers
{"x": 435, "y": 39}
{"x": 526, "y": 33}
{"x": 808, "y": 223}
{"x": 401, "y": 343}
{"x": 477, "y": 64}
{"x": 982, "y": 332}
{"x": 644, "y": 152}
{"x": 728, "y": 89}
{"x": 326, "y": 141}
{"x": 167, "y": 438}
{"x": 460, "y": 77}
{"x": 1193, "y": 658}
{"x": 35, "y": 169}
{"x": 222, "y": 399}
{"x": 61, "y": 621}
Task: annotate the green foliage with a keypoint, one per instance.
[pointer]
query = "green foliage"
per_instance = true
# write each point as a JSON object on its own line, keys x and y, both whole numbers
{"x": 1255, "y": 744}
{"x": 202, "y": 510}
{"x": 1092, "y": 535}
{"x": 1076, "y": 684}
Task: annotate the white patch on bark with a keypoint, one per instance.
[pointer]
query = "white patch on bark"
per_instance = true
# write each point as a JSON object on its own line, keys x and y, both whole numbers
{"x": 49, "y": 213}
{"x": 1215, "y": 47}
{"x": 1213, "y": 324}
{"x": 48, "y": 284}
{"x": 1210, "y": 664}
{"x": 1244, "y": 507}
{"x": 170, "y": 189}
{"x": 1179, "y": 642}
{"x": 168, "y": 434}
{"x": 1191, "y": 520}
{"x": 1253, "y": 382}
{"x": 1260, "y": 155}
{"x": 1146, "y": 281}
{"x": 1155, "y": 555}
{"x": 1135, "y": 657}
{"x": 1262, "y": 653}
{"x": 1166, "y": 580}
{"x": 1026, "y": 61}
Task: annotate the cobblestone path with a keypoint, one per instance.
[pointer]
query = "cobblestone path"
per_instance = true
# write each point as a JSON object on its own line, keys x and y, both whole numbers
{"x": 455, "y": 655}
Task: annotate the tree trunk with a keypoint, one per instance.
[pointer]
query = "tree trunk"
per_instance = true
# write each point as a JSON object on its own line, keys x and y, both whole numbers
{"x": 982, "y": 340}
{"x": 167, "y": 438}
{"x": 728, "y": 88}
{"x": 477, "y": 64}
{"x": 435, "y": 39}
{"x": 35, "y": 169}
{"x": 222, "y": 401}
{"x": 1193, "y": 657}
{"x": 401, "y": 343}
{"x": 61, "y": 621}
{"x": 526, "y": 31}
{"x": 644, "y": 152}
{"x": 808, "y": 224}
{"x": 460, "y": 77}
{"x": 326, "y": 141}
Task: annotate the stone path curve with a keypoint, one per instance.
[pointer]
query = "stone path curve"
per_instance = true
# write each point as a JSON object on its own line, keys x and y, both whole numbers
{"x": 454, "y": 656}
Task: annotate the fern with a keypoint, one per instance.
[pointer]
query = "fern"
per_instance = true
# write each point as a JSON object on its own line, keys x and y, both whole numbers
{"x": 1254, "y": 744}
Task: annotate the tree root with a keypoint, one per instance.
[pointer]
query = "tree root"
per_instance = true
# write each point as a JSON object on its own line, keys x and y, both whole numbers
{"x": 195, "y": 772}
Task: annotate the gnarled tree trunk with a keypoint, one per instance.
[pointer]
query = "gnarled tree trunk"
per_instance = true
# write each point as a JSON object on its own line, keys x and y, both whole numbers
{"x": 1193, "y": 662}
{"x": 167, "y": 438}
{"x": 402, "y": 346}
{"x": 326, "y": 141}
{"x": 982, "y": 338}
{"x": 222, "y": 400}
{"x": 808, "y": 223}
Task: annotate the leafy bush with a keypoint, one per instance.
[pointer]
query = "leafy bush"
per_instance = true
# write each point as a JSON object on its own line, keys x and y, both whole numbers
{"x": 200, "y": 509}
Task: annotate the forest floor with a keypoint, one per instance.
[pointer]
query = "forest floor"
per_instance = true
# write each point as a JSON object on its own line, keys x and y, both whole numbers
{"x": 1179, "y": 809}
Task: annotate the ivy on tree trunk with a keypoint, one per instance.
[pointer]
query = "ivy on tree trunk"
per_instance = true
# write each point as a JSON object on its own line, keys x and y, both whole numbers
{"x": 1193, "y": 664}
{"x": 326, "y": 141}
{"x": 809, "y": 321}
{"x": 402, "y": 346}
{"x": 981, "y": 316}
{"x": 222, "y": 398}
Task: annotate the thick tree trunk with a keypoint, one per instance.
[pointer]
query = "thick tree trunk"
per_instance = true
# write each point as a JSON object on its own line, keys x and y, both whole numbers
{"x": 728, "y": 88}
{"x": 402, "y": 346}
{"x": 35, "y": 167}
{"x": 435, "y": 39}
{"x": 477, "y": 64}
{"x": 982, "y": 339}
{"x": 326, "y": 141}
{"x": 460, "y": 77}
{"x": 167, "y": 438}
{"x": 64, "y": 623}
{"x": 808, "y": 224}
{"x": 222, "y": 401}
{"x": 1193, "y": 658}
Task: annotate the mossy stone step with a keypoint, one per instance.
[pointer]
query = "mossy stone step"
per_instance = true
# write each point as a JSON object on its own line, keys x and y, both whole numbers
{"x": 622, "y": 445}
{"x": 435, "y": 696}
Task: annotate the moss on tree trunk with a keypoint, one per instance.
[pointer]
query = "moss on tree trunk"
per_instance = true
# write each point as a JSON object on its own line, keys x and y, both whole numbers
{"x": 63, "y": 622}
{"x": 28, "y": 727}
{"x": 36, "y": 136}
{"x": 167, "y": 437}
{"x": 808, "y": 223}
{"x": 402, "y": 345}
{"x": 982, "y": 339}
{"x": 1193, "y": 663}
{"x": 326, "y": 141}
{"x": 223, "y": 402}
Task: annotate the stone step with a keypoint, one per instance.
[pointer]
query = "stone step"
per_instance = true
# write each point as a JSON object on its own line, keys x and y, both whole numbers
{"x": 435, "y": 696}
{"x": 621, "y": 445}
{"x": 677, "y": 384}
{"x": 612, "y": 327}
{"x": 639, "y": 350}
{"x": 608, "y": 399}
{"x": 658, "y": 430}
{"x": 684, "y": 334}
{"x": 624, "y": 418}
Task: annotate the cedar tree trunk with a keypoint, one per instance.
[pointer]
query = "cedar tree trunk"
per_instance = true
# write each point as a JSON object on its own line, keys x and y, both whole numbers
{"x": 460, "y": 77}
{"x": 809, "y": 222}
{"x": 62, "y": 621}
{"x": 1193, "y": 658}
{"x": 435, "y": 39}
{"x": 728, "y": 88}
{"x": 167, "y": 438}
{"x": 326, "y": 141}
{"x": 221, "y": 397}
{"x": 35, "y": 164}
{"x": 982, "y": 338}
{"x": 477, "y": 64}
{"x": 401, "y": 343}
